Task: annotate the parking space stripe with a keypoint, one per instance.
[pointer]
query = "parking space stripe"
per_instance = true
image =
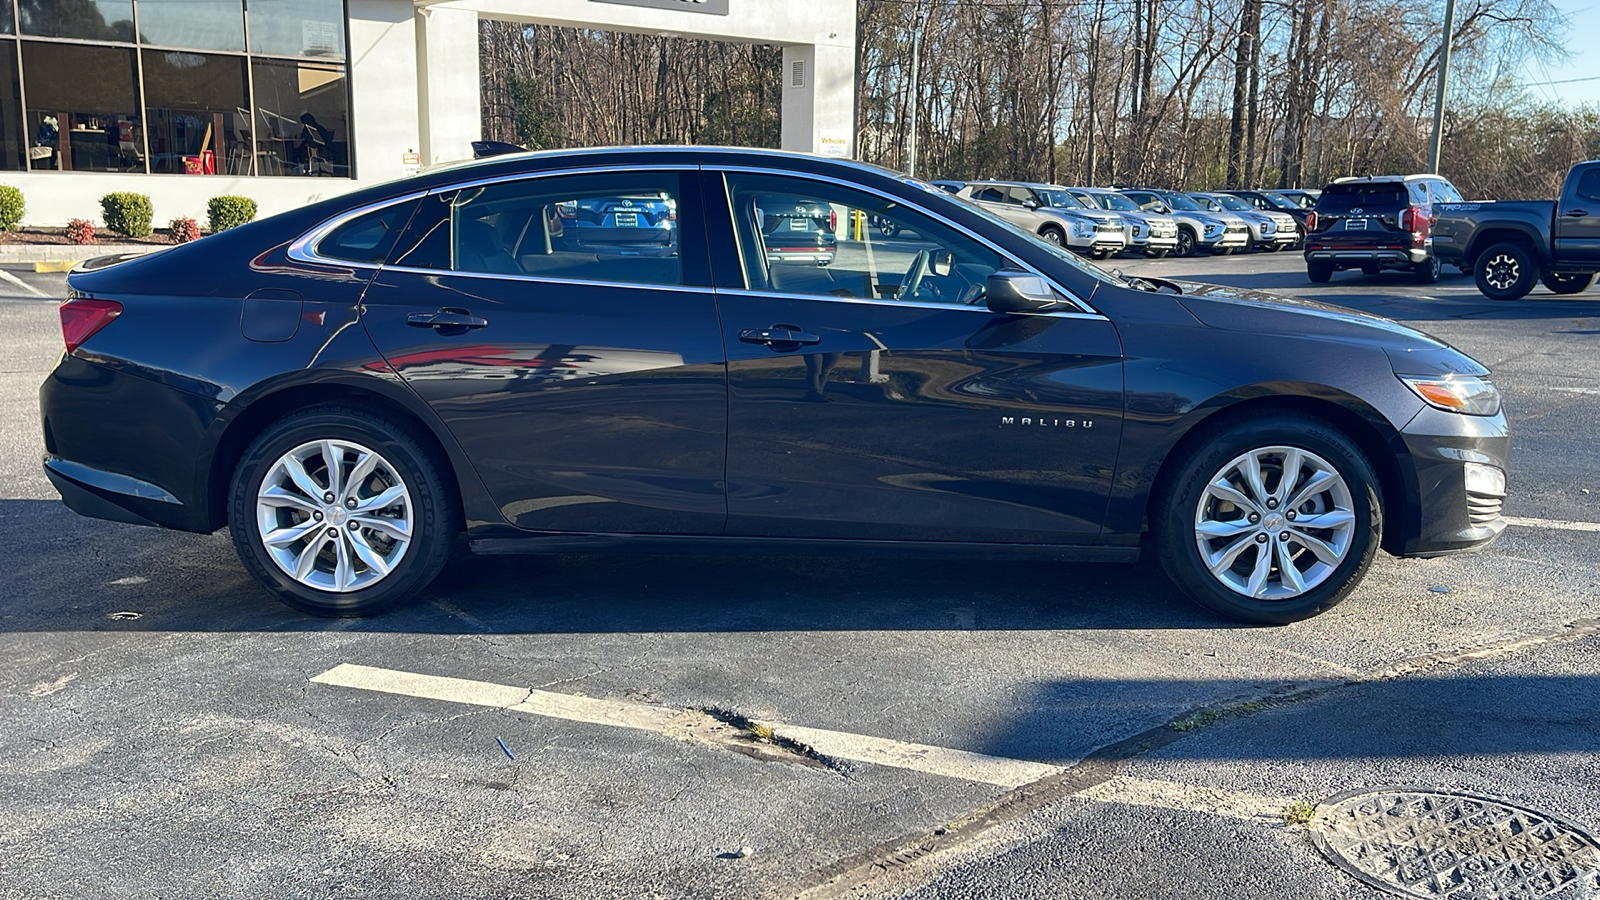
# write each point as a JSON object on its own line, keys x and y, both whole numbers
{"x": 18, "y": 282}
{"x": 1188, "y": 798}
{"x": 943, "y": 761}
{"x": 1552, "y": 523}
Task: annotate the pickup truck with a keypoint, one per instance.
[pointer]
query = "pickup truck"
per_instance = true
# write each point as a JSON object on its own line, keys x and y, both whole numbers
{"x": 1510, "y": 246}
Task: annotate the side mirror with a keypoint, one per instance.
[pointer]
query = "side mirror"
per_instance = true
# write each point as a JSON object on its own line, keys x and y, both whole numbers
{"x": 1030, "y": 204}
{"x": 941, "y": 263}
{"x": 1018, "y": 292}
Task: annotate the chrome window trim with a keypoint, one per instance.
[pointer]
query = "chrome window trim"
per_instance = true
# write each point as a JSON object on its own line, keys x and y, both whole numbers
{"x": 545, "y": 279}
{"x": 1069, "y": 295}
{"x": 303, "y": 248}
{"x": 904, "y": 304}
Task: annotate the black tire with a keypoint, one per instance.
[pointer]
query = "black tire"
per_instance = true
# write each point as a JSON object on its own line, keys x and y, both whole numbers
{"x": 1187, "y": 241}
{"x": 1054, "y": 235}
{"x": 1427, "y": 271}
{"x": 1562, "y": 283}
{"x": 1178, "y": 504}
{"x": 1506, "y": 271}
{"x": 1099, "y": 254}
{"x": 1271, "y": 248}
{"x": 1370, "y": 270}
{"x": 1155, "y": 253}
{"x": 888, "y": 229}
{"x": 1319, "y": 272}
{"x": 432, "y": 508}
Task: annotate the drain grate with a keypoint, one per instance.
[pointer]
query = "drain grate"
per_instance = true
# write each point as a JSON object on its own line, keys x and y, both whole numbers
{"x": 1421, "y": 843}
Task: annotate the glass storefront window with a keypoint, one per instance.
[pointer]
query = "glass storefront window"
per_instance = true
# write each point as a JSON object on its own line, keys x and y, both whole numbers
{"x": 297, "y": 28}
{"x": 302, "y": 119}
{"x": 89, "y": 20}
{"x": 195, "y": 104}
{"x": 11, "y": 142}
{"x": 8, "y": 23}
{"x": 82, "y": 113}
{"x": 200, "y": 24}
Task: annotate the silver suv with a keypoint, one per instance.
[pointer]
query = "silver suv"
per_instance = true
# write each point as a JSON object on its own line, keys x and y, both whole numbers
{"x": 1150, "y": 233}
{"x": 1198, "y": 230}
{"x": 1269, "y": 231}
{"x": 1093, "y": 233}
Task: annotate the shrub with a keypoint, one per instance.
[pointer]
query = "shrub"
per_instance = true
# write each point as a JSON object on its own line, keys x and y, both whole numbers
{"x": 80, "y": 231}
{"x": 11, "y": 208}
{"x": 127, "y": 214}
{"x": 229, "y": 211}
{"x": 183, "y": 230}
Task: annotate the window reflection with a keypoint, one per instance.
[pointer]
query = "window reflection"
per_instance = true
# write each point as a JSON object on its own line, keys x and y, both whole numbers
{"x": 302, "y": 119}
{"x": 90, "y": 20}
{"x": 201, "y": 24}
{"x": 195, "y": 107}
{"x": 297, "y": 27}
{"x": 82, "y": 115}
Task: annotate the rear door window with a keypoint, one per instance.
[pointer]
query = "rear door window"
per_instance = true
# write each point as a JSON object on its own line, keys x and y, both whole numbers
{"x": 1589, "y": 185}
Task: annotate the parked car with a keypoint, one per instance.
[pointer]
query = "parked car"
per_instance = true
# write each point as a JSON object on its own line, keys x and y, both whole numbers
{"x": 1091, "y": 232}
{"x": 1151, "y": 233}
{"x": 619, "y": 226}
{"x": 352, "y": 385}
{"x": 949, "y": 187}
{"x": 1273, "y": 201}
{"x": 1511, "y": 246}
{"x": 1305, "y": 199}
{"x": 1376, "y": 223}
{"x": 796, "y": 229}
{"x": 1198, "y": 230}
{"x": 1269, "y": 231}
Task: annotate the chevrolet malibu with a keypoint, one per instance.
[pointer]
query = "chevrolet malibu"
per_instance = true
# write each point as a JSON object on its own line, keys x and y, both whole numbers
{"x": 352, "y": 386}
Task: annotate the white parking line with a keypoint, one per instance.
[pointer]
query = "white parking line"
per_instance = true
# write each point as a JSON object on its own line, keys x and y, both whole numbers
{"x": 1552, "y": 523}
{"x": 12, "y": 279}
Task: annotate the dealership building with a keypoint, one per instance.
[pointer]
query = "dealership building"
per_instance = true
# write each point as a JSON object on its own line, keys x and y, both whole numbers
{"x": 292, "y": 101}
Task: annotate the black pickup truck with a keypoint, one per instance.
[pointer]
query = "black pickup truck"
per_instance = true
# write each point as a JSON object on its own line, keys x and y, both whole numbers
{"x": 1510, "y": 246}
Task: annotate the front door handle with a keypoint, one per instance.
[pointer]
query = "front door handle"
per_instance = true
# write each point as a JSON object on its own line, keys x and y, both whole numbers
{"x": 1576, "y": 213}
{"x": 778, "y": 334}
{"x": 448, "y": 318}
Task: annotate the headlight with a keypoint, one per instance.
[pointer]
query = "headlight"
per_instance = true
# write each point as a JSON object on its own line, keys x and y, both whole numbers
{"x": 1214, "y": 229}
{"x": 1083, "y": 229}
{"x": 1471, "y": 395}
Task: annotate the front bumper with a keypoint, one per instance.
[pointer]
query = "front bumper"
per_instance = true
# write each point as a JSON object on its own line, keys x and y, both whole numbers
{"x": 1449, "y": 518}
{"x": 1153, "y": 242}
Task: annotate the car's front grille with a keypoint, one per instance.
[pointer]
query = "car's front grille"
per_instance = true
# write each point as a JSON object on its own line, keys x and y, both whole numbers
{"x": 1238, "y": 229}
{"x": 1483, "y": 509}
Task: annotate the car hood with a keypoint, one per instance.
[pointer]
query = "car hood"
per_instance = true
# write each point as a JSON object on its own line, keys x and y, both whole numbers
{"x": 1239, "y": 309}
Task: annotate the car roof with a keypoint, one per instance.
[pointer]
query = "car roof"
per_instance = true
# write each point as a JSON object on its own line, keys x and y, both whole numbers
{"x": 1384, "y": 179}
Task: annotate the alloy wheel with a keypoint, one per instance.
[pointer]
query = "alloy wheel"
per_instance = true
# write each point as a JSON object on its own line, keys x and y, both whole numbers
{"x": 334, "y": 515}
{"x": 1502, "y": 271}
{"x": 1274, "y": 523}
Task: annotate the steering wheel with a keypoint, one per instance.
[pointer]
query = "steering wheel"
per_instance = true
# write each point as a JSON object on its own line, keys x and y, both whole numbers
{"x": 921, "y": 265}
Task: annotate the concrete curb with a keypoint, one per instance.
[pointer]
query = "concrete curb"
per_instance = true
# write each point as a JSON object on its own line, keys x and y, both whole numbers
{"x": 60, "y": 257}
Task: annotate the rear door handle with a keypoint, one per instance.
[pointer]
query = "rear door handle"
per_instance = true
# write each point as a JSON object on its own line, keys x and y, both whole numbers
{"x": 1576, "y": 213}
{"x": 449, "y": 317}
{"x": 778, "y": 334}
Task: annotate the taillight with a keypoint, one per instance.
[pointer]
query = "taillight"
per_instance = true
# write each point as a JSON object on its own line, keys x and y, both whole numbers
{"x": 833, "y": 221}
{"x": 1311, "y": 222}
{"x": 82, "y": 317}
{"x": 1416, "y": 221}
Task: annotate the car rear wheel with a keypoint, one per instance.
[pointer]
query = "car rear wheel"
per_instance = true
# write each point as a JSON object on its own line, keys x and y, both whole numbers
{"x": 1186, "y": 242}
{"x": 1506, "y": 271}
{"x": 1319, "y": 272}
{"x": 1273, "y": 519}
{"x": 340, "y": 512}
{"x": 1561, "y": 283}
{"x": 1427, "y": 271}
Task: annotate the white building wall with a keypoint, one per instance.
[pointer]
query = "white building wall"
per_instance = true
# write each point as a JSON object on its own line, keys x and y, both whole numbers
{"x": 447, "y": 83}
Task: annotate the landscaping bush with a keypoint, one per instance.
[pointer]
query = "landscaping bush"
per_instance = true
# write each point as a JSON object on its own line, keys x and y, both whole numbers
{"x": 183, "y": 230}
{"x": 80, "y": 231}
{"x": 11, "y": 208}
{"x": 127, "y": 214}
{"x": 230, "y": 211}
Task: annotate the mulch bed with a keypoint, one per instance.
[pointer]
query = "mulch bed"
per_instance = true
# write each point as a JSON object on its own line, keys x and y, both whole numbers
{"x": 58, "y": 236}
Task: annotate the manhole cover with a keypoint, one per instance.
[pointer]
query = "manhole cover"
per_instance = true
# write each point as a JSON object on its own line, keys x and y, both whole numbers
{"x": 1420, "y": 843}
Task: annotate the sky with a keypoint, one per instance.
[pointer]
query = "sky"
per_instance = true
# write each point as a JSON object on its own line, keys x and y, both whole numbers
{"x": 1583, "y": 64}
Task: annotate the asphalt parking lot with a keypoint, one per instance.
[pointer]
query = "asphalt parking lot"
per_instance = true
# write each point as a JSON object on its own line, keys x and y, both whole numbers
{"x": 580, "y": 726}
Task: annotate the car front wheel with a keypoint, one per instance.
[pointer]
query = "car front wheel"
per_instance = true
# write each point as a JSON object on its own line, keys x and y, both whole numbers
{"x": 1427, "y": 271}
{"x": 1563, "y": 283}
{"x": 1273, "y": 519}
{"x": 1186, "y": 243}
{"x": 340, "y": 512}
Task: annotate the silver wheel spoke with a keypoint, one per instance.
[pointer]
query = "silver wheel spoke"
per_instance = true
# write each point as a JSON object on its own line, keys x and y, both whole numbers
{"x": 1212, "y": 528}
{"x": 306, "y": 562}
{"x": 381, "y": 500}
{"x": 1252, "y": 476}
{"x": 359, "y": 474}
{"x": 1291, "y": 474}
{"x": 341, "y": 567}
{"x": 1258, "y": 576}
{"x": 364, "y": 552}
{"x": 1334, "y": 519}
{"x": 277, "y": 496}
{"x": 301, "y": 478}
{"x": 1287, "y": 573}
{"x": 397, "y": 529}
{"x": 1223, "y": 559}
{"x": 283, "y": 537}
{"x": 1223, "y": 489}
{"x": 1320, "y": 548}
{"x": 333, "y": 458}
{"x": 1313, "y": 486}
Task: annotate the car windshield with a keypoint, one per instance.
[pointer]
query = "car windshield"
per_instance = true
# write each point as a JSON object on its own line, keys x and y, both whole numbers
{"x": 1179, "y": 201}
{"x": 1062, "y": 200}
{"x": 1116, "y": 202}
{"x": 1280, "y": 201}
{"x": 1229, "y": 201}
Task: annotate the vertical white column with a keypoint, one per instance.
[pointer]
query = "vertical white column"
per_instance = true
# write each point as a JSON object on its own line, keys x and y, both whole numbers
{"x": 819, "y": 99}
{"x": 447, "y": 83}
{"x": 383, "y": 78}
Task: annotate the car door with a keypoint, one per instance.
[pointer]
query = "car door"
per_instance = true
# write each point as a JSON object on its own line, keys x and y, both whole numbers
{"x": 1577, "y": 226}
{"x": 564, "y": 328}
{"x": 878, "y": 398}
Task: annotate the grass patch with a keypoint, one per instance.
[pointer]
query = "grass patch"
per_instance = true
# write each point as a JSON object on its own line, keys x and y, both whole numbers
{"x": 1299, "y": 813}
